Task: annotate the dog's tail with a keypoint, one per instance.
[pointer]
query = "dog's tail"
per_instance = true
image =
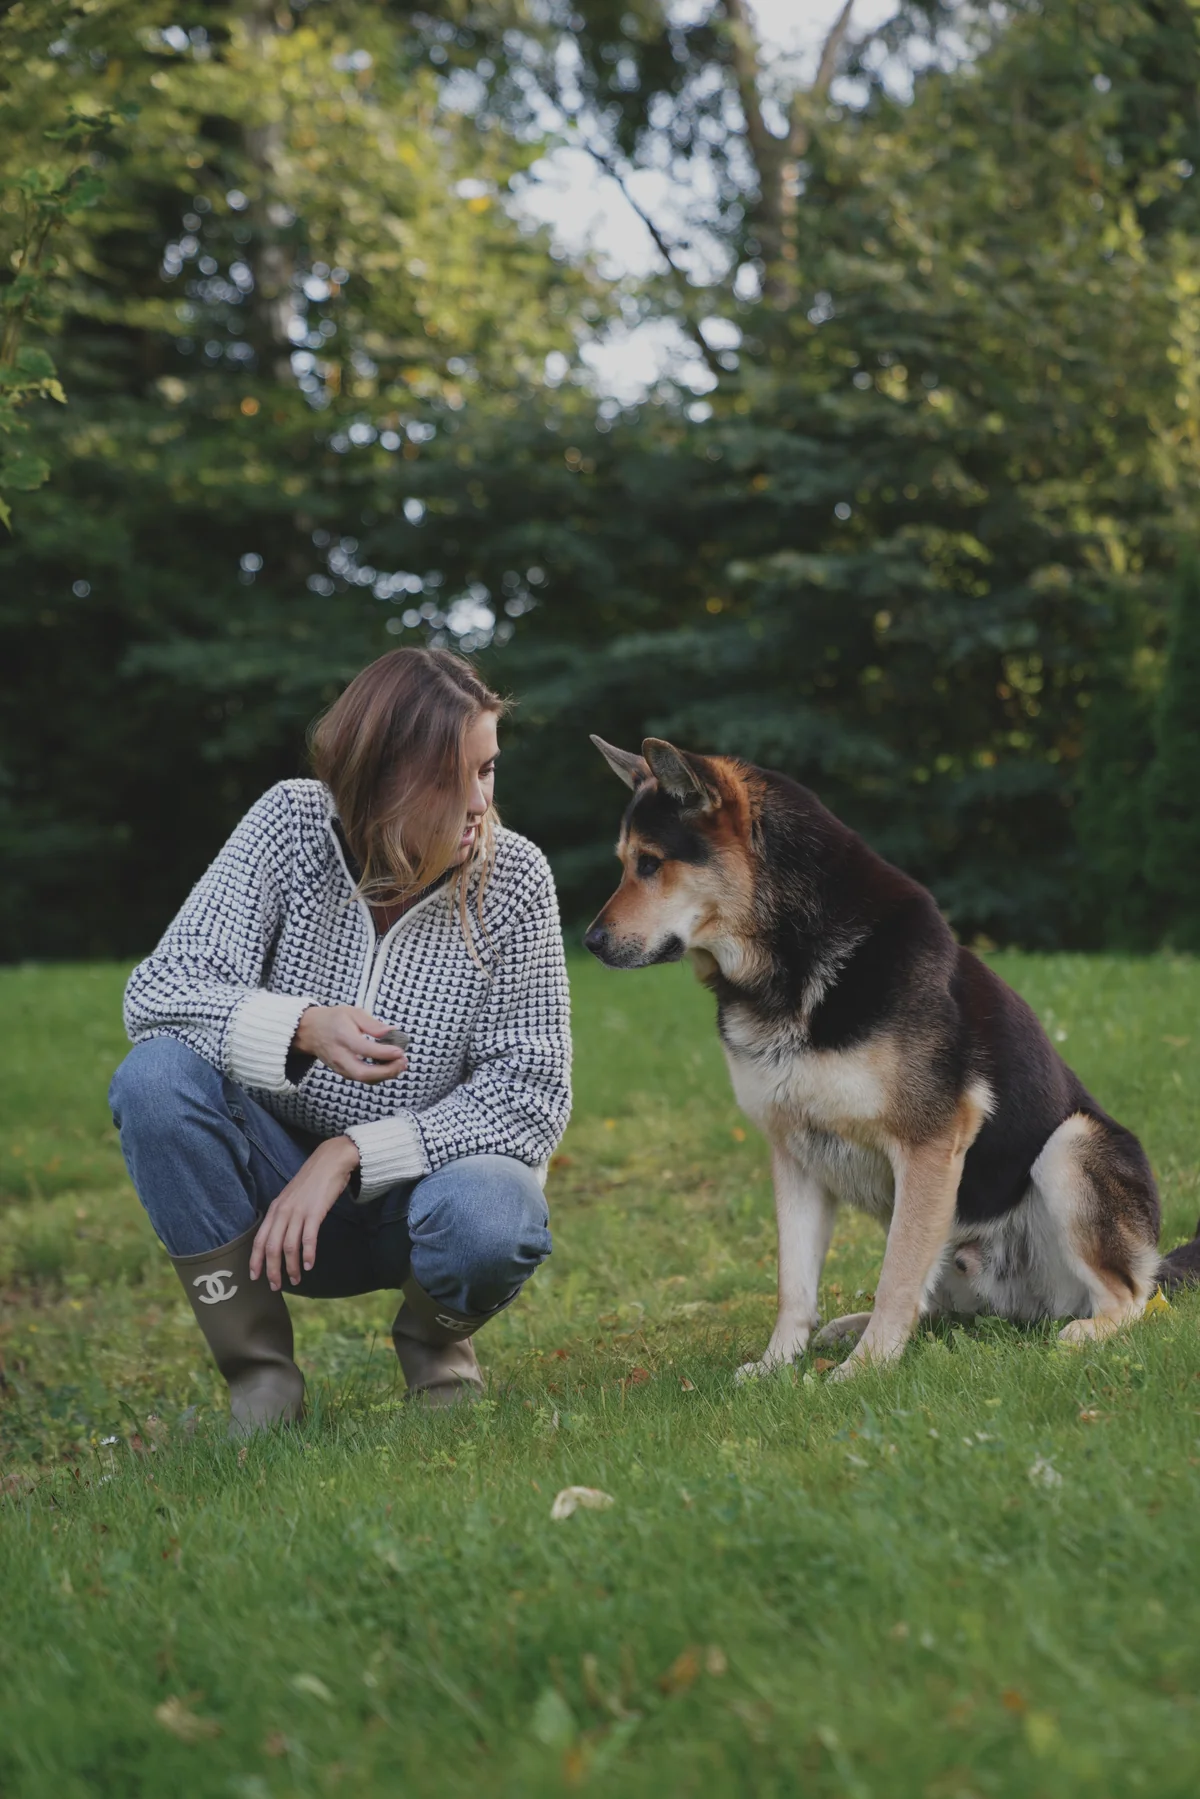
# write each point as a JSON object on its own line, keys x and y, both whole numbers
{"x": 1182, "y": 1267}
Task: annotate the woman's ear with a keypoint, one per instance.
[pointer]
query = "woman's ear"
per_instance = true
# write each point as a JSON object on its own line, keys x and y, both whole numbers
{"x": 631, "y": 769}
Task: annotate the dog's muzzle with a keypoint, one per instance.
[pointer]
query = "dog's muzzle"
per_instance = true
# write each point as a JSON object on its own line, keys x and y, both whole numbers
{"x": 616, "y": 952}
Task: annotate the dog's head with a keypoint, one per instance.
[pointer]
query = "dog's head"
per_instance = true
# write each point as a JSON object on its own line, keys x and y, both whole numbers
{"x": 685, "y": 849}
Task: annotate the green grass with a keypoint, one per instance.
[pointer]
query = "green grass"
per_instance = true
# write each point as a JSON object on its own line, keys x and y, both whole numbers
{"x": 975, "y": 1575}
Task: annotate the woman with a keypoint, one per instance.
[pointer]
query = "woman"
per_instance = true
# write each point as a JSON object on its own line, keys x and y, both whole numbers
{"x": 270, "y": 1128}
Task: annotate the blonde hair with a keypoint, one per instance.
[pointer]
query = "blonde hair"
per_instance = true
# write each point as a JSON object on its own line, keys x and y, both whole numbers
{"x": 392, "y": 752}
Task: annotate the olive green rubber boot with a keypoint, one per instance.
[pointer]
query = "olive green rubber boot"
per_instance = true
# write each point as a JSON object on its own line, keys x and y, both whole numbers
{"x": 248, "y": 1329}
{"x": 433, "y": 1345}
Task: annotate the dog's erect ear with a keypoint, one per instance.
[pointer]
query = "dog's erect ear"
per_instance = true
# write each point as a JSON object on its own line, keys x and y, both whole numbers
{"x": 676, "y": 776}
{"x": 631, "y": 769}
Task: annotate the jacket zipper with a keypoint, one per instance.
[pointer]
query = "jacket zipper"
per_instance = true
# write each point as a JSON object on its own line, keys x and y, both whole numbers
{"x": 375, "y": 963}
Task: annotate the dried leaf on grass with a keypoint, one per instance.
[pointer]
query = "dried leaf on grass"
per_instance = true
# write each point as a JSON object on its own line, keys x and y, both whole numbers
{"x": 688, "y": 1664}
{"x": 553, "y": 1720}
{"x": 682, "y": 1672}
{"x": 313, "y": 1685}
{"x": 176, "y": 1715}
{"x": 573, "y": 1499}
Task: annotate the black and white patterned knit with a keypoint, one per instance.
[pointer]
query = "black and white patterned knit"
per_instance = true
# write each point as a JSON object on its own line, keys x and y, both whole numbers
{"x": 273, "y": 927}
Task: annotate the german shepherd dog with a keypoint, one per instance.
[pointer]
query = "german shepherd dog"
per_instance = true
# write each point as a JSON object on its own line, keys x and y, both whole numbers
{"x": 888, "y": 1067}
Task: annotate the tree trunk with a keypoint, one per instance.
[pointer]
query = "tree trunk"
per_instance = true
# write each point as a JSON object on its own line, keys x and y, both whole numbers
{"x": 272, "y": 254}
{"x": 777, "y": 159}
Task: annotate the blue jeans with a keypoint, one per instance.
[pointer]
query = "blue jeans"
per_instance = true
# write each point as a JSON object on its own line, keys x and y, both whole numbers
{"x": 207, "y": 1161}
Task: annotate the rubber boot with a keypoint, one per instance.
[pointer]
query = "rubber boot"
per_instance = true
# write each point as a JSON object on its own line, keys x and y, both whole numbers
{"x": 433, "y": 1345}
{"x": 248, "y": 1329}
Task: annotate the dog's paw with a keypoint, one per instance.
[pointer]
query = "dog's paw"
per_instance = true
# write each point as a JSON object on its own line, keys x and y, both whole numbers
{"x": 753, "y": 1371}
{"x": 847, "y": 1370}
{"x": 841, "y": 1330}
{"x": 1088, "y": 1330}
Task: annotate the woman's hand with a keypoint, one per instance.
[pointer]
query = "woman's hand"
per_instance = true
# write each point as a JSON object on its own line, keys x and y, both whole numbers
{"x": 289, "y": 1230}
{"x": 346, "y": 1039}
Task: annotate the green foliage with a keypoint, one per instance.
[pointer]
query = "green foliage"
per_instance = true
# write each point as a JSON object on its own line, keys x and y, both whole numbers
{"x": 43, "y": 198}
{"x": 329, "y": 1609}
{"x": 235, "y": 312}
{"x": 1116, "y": 903}
{"x": 913, "y": 546}
{"x": 1172, "y": 788}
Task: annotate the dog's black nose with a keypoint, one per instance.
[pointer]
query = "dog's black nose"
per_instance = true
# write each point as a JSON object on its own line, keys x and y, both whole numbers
{"x": 596, "y": 939}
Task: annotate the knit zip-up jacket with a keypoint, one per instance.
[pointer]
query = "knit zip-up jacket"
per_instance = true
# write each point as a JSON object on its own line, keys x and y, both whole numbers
{"x": 274, "y": 926}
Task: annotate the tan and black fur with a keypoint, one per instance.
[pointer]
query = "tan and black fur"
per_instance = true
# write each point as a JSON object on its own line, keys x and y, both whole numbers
{"x": 889, "y": 1068}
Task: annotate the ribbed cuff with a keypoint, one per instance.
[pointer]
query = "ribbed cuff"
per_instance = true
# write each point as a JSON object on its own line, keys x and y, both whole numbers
{"x": 389, "y": 1150}
{"x": 260, "y": 1037}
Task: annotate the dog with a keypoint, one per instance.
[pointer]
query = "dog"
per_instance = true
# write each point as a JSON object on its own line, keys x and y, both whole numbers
{"x": 888, "y": 1067}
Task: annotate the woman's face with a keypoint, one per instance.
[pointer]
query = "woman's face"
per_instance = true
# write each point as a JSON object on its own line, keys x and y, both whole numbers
{"x": 481, "y": 749}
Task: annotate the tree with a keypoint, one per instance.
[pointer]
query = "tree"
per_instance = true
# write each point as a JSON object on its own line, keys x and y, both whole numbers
{"x": 42, "y": 196}
{"x": 241, "y": 323}
{"x": 1172, "y": 784}
{"x": 920, "y": 503}
{"x": 911, "y": 546}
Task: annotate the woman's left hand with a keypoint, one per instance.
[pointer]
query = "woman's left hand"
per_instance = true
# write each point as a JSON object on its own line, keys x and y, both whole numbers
{"x": 289, "y": 1230}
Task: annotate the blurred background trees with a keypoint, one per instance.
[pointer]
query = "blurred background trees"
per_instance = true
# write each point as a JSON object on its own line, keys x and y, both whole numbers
{"x": 909, "y": 517}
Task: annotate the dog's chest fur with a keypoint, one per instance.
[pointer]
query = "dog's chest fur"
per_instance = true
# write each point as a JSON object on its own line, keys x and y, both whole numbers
{"x": 825, "y": 1108}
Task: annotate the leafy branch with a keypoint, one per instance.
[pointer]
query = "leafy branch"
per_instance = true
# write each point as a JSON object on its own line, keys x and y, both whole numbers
{"x": 47, "y": 198}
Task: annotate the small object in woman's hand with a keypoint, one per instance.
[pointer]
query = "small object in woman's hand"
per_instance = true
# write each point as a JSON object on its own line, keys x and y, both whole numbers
{"x": 396, "y": 1036}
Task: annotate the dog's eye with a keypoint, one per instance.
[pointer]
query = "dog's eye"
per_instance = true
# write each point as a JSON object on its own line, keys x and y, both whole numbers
{"x": 648, "y": 867}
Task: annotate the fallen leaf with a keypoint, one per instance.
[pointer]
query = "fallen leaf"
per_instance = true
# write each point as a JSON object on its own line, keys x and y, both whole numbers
{"x": 823, "y": 1363}
{"x": 682, "y": 1672}
{"x": 313, "y": 1685}
{"x": 571, "y": 1499}
{"x": 637, "y": 1377}
{"x": 1157, "y": 1304}
{"x": 574, "y": 1764}
{"x": 1012, "y": 1701}
{"x": 1089, "y": 1415}
{"x": 553, "y": 1720}
{"x": 738, "y": 1134}
{"x": 715, "y": 1661}
{"x": 1041, "y": 1732}
{"x": 177, "y": 1716}
{"x": 687, "y": 1385}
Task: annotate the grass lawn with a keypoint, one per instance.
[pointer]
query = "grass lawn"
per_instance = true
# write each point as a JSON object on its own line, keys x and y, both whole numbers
{"x": 974, "y": 1575}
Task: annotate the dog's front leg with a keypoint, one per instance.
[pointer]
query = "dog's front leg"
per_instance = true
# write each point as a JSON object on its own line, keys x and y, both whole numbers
{"x": 927, "y": 1178}
{"x": 804, "y": 1215}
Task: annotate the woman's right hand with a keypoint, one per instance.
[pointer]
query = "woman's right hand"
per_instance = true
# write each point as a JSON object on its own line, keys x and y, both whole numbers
{"x": 346, "y": 1039}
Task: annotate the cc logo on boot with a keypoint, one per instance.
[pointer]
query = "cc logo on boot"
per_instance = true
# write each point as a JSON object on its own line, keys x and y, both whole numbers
{"x": 215, "y": 1282}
